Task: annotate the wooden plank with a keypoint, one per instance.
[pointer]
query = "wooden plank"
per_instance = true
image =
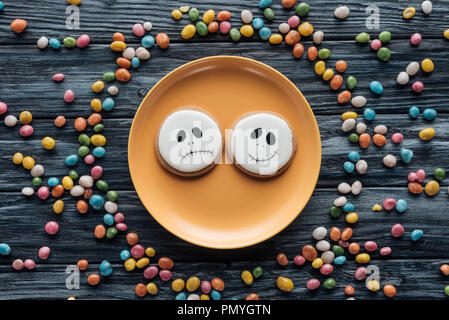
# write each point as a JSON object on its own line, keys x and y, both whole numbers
{"x": 101, "y": 18}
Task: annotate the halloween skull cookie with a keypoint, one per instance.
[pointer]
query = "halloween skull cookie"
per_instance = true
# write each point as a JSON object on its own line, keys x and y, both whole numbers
{"x": 262, "y": 144}
{"x": 189, "y": 142}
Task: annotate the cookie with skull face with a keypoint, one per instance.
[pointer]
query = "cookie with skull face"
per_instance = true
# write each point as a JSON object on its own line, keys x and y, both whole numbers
{"x": 189, "y": 142}
{"x": 262, "y": 144}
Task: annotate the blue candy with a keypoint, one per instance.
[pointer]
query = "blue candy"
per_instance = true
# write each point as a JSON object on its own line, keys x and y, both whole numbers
{"x": 54, "y": 43}
{"x": 264, "y": 33}
{"x": 105, "y": 268}
{"x": 348, "y": 207}
{"x": 181, "y": 296}
{"x": 406, "y": 155}
{"x": 71, "y": 160}
{"x": 348, "y": 166}
{"x": 215, "y": 295}
{"x": 135, "y": 62}
{"x": 99, "y": 152}
{"x": 108, "y": 219}
{"x": 5, "y": 249}
{"x": 401, "y": 205}
{"x": 413, "y": 112}
{"x": 340, "y": 260}
{"x": 376, "y": 87}
{"x": 416, "y": 235}
{"x": 125, "y": 255}
{"x": 147, "y": 41}
{"x": 1, "y": 5}
{"x": 108, "y": 104}
{"x": 258, "y": 23}
{"x": 53, "y": 181}
{"x": 96, "y": 201}
{"x": 354, "y": 156}
{"x": 369, "y": 114}
{"x": 429, "y": 114}
{"x": 263, "y": 4}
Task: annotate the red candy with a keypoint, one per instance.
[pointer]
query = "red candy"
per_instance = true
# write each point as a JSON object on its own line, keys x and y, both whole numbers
{"x": 26, "y": 130}
{"x": 415, "y": 39}
{"x": 376, "y": 44}
{"x": 58, "y": 77}
{"x": 44, "y": 253}
{"x": 83, "y": 41}
{"x": 3, "y": 108}
{"x": 96, "y": 172}
{"x": 370, "y": 246}
{"x": 397, "y": 230}
{"x": 385, "y": 251}
{"x": 29, "y": 264}
{"x": 389, "y": 204}
{"x": 165, "y": 275}
{"x": 69, "y": 96}
{"x": 397, "y": 137}
{"x": 137, "y": 251}
{"x": 119, "y": 217}
{"x": 412, "y": 177}
{"x": 299, "y": 260}
{"x": 150, "y": 272}
{"x": 52, "y": 227}
{"x": 43, "y": 193}
{"x": 418, "y": 86}
{"x": 121, "y": 226}
{"x": 326, "y": 269}
{"x": 225, "y": 26}
{"x": 313, "y": 284}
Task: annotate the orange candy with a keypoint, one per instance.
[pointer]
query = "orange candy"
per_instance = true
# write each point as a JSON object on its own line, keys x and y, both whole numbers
{"x": 354, "y": 248}
{"x": 298, "y": 50}
{"x": 81, "y": 206}
{"x": 335, "y": 234}
{"x": 309, "y": 252}
{"x": 82, "y": 264}
{"x": 288, "y": 3}
{"x": 252, "y": 296}
{"x": 60, "y": 121}
{"x": 344, "y": 97}
{"x": 349, "y": 290}
{"x": 94, "y": 118}
{"x": 132, "y": 238}
{"x": 18, "y": 25}
{"x": 346, "y": 234}
{"x": 292, "y": 37}
{"x": 93, "y": 279}
{"x": 123, "y": 63}
{"x": 379, "y": 140}
{"x": 341, "y": 66}
{"x": 122, "y": 75}
{"x": 223, "y": 15}
{"x": 312, "y": 53}
{"x": 100, "y": 231}
{"x": 140, "y": 290}
{"x": 57, "y": 191}
{"x": 444, "y": 269}
{"x": 389, "y": 291}
{"x": 118, "y": 36}
{"x": 166, "y": 263}
{"x": 218, "y": 284}
{"x": 162, "y": 40}
{"x": 212, "y": 27}
{"x": 364, "y": 140}
{"x": 80, "y": 124}
{"x": 415, "y": 187}
{"x": 336, "y": 82}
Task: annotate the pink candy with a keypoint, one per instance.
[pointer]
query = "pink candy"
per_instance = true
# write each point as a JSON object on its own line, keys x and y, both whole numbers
{"x": 360, "y": 273}
{"x": 58, "y": 77}
{"x": 69, "y": 96}
{"x": 376, "y": 44}
{"x": 52, "y": 227}
{"x": 397, "y": 137}
{"x": 313, "y": 284}
{"x": 293, "y": 21}
{"x": 415, "y": 39}
{"x": 418, "y": 86}
{"x": 326, "y": 269}
{"x": 29, "y": 264}
{"x": 389, "y": 204}
{"x": 119, "y": 217}
{"x": 26, "y": 130}
{"x": 18, "y": 264}
{"x": 89, "y": 159}
{"x": 121, "y": 226}
{"x": 83, "y": 41}
{"x": 299, "y": 260}
{"x": 44, "y": 253}
{"x": 43, "y": 193}
{"x": 385, "y": 251}
{"x": 96, "y": 172}
{"x": 370, "y": 246}
{"x": 225, "y": 26}
{"x": 138, "y": 30}
{"x": 421, "y": 175}
{"x": 150, "y": 272}
{"x": 206, "y": 287}
{"x": 3, "y": 108}
{"x": 343, "y": 243}
{"x": 412, "y": 177}
{"x": 397, "y": 230}
{"x": 137, "y": 251}
{"x": 165, "y": 275}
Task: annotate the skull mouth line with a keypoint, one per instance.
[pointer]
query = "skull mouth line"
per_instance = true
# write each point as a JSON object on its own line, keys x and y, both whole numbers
{"x": 191, "y": 153}
{"x": 263, "y": 160}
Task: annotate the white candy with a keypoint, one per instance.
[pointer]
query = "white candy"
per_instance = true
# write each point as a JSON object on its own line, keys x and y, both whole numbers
{"x": 360, "y": 128}
{"x": 380, "y": 129}
{"x": 193, "y": 296}
{"x": 341, "y": 12}
{"x": 390, "y": 161}
{"x": 10, "y": 121}
{"x": 328, "y": 257}
{"x": 323, "y": 245}
{"x": 319, "y": 233}
{"x": 110, "y": 207}
{"x": 344, "y": 188}
{"x": 426, "y": 7}
{"x": 412, "y": 68}
{"x": 77, "y": 191}
{"x": 284, "y": 27}
{"x": 129, "y": 53}
{"x": 142, "y": 53}
{"x": 348, "y": 125}
{"x": 113, "y": 90}
{"x": 318, "y": 37}
{"x": 340, "y": 201}
{"x": 148, "y": 26}
{"x": 403, "y": 78}
{"x": 358, "y": 101}
{"x": 27, "y": 191}
{"x": 361, "y": 167}
{"x": 247, "y": 16}
{"x": 37, "y": 171}
{"x": 356, "y": 188}
{"x": 42, "y": 43}
{"x": 86, "y": 181}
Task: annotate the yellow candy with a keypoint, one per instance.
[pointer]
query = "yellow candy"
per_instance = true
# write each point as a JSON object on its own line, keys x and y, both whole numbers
{"x": 188, "y": 31}
{"x": 362, "y": 258}
{"x": 248, "y": 31}
{"x": 320, "y": 67}
{"x": 328, "y": 74}
{"x": 317, "y": 263}
{"x": 408, "y": 13}
{"x": 275, "y": 38}
{"x": 17, "y": 158}
{"x": 184, "y": 9}
{"x": 48, "y": 143}
{"x": 373, "y": 285}
{"x": 67, "y": 183}
{"x": 176, "y": 14}
{"x": 208, "y": 16}
{"x": 58, "y": 206}
{"x": 432, "y": 188}
{"x": 118, "y": 46}
{"x": 285, "y": 284}
{"x": 152, "y": 288}
{"x": 377, "y": 207}
{"x": 446, "y": 34}
{"x": 98, "y": 86}
{"x": 247, "y": 277}
{"x": 177, "y": 285}
{"x": 192, "y": 284}
{"x": 98, "y": 140}
{"x": 305, "y": 29}
{"x": 349, "y": 115}
{"x": 74, "y": 2}
{"x": 25, "y": 117}
{"x": 96, "y": 104}
{"x": 142, "y": 263}
{"x": 352, "y": 217}
{"x": 150, "y": 252}
{"x": 427, "y": 134}
{"x": 28, "y": 163}
{"x": 427, "y": 65}
{"x": 204, "y": 297}
{"x": 71, "y": 298}
{"x": 130, "y": 264}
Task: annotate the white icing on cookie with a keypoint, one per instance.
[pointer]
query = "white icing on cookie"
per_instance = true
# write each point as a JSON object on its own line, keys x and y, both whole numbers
{"x": 262, "y": 143}
{"x": 189, "y": 140}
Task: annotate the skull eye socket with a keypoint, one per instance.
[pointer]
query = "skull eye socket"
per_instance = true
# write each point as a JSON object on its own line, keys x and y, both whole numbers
{"x": 181, "y": 135}
{"x": 271, "y": 139}
{"x": 197, "y": 132}
{"x": 256, "y": 133}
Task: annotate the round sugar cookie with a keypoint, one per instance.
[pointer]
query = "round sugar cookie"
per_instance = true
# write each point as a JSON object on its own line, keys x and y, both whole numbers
{"x": 262, "y": 144}
{"x": 189, "y": 142}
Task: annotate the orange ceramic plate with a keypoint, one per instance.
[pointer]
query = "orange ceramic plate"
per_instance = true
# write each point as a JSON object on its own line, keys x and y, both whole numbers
{"x": 224, "y": 208}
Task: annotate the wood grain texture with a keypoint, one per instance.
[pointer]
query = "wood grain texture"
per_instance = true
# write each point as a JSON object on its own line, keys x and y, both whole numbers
{"x": 26, "y": 85}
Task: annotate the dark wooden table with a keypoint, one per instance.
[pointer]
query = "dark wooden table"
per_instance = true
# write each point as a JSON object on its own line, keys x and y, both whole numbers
{"x": 26, "y": 84}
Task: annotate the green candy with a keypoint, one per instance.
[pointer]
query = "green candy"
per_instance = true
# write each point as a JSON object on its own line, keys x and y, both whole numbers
{"x": 83, "y": 151}
{"x": 109, "y": 76}
{"x": 362, "y": 37}
{"x": 98, "y": 127}
{"x": 338, "y": 250}
{"x": 73, "y": 174}
{"x": 102, "y": 185}
{"x": 324, "y": 54}
{"x": 446, "y": 290}
{"x": 36, "y": 181}
{"x": 439, "y": 173}
{"x": 84, "y": 139}
{"x": 112, "y": 195}
{"x": 69, "y": 42}
{"x": 194, "y": 15}
{"x": 351, "y": 82}
{"x": 353, "y": 137}
{"x": 268, "y": 13}
{"x": 201, "y": 28}
{"x": 385, "y": 36}
{"x": 335, "y": 212}
{"x": 235, "y": 34}
{"x": 384, "y": 54}
{"x": 302, "y": 9}
{"x": 111, "y": 232}
{"x": 329, "y": 283}
{"x": 257, "y": 272}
